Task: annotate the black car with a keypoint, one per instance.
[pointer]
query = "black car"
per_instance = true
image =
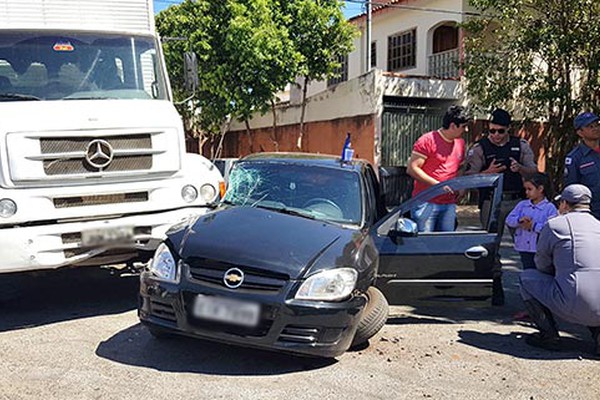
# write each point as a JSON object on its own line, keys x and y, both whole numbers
{"x": 294, "y": 257}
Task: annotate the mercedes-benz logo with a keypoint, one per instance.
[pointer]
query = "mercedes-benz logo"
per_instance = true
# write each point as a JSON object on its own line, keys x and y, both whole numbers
{"x": 99, "y": 153}
{"x": 233, "y": 278}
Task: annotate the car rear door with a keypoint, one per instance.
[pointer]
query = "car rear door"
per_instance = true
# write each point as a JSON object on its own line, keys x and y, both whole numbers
{"x": 439, "y": 266}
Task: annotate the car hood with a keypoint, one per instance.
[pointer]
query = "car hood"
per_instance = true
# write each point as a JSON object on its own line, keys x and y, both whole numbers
{"x": 264, "y": 239}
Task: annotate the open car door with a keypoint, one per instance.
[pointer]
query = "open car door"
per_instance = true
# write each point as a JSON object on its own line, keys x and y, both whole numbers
{"x": 417, "y": 267}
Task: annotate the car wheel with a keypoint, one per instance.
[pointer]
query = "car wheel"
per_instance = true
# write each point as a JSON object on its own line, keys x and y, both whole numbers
{"x": 158, "y": 333}
{"x": 373, "y": 316}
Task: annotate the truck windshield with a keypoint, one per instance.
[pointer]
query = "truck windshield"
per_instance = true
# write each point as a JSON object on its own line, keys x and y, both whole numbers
{"x": 45, "y": 65}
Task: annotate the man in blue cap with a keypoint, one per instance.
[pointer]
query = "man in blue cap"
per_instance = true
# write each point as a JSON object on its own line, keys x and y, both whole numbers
{"x": 582, "y": 164}
{"x": 566, "y": 282}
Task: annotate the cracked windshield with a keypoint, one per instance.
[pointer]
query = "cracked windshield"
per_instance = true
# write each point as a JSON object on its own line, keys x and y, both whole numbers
{"x": 68, "y": 66}
{"x": 313, "y": 192}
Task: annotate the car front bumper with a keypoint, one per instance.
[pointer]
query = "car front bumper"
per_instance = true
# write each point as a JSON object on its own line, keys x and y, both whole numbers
{"x": 317, "y": 329}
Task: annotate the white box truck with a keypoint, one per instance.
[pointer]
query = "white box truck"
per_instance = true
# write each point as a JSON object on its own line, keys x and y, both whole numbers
{"x": 93, "y": 164}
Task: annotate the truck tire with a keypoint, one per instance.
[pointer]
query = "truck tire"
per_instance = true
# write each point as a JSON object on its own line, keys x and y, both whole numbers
{"x": 373, "y": 317}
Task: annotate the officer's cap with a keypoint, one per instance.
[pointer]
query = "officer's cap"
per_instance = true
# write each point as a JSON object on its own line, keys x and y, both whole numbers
{"x": 500, "y": 117}
{"x": 575, "y": 194}
{"x": 585, "y": 119}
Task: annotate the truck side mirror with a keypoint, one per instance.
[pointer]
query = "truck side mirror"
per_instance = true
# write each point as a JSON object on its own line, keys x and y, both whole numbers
{"x": 190, "y": 71}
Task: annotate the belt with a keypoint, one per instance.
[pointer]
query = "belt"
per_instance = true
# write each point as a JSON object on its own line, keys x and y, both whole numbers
{"x": 511, "y": 196}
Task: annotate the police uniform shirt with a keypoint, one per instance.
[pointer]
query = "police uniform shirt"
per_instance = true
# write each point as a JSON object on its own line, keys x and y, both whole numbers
{"x": 567, "y": 278}
{"x": 476, "y": 158}
{"x": 582, "y": 165}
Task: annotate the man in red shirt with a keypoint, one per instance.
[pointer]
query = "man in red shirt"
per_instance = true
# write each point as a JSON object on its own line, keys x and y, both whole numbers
{"x": 436, "y": 157}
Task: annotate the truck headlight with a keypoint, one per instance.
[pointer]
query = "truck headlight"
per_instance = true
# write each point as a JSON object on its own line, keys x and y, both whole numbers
{"x": 208, "y": 192}
{"x": 189, "y": 193}
{"x": 8, "y": 208}
{"x": 331, "y": 285}
{"x": 163, "y": 264}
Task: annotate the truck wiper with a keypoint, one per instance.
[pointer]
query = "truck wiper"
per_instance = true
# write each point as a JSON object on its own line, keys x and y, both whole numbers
{"x": 17, "y": 96}
{"x": 89, "y": 98}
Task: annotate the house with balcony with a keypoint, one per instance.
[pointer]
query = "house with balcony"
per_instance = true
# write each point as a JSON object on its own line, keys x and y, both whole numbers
{"x": 392, "y": 88}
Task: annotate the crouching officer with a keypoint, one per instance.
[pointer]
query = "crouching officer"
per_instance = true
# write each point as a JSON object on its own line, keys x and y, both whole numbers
{"x": 501, "y": 153}
{"x": 566, "y": 282}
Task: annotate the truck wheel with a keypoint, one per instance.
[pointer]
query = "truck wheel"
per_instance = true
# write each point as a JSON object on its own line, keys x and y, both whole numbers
{"x": 373, "y": 316}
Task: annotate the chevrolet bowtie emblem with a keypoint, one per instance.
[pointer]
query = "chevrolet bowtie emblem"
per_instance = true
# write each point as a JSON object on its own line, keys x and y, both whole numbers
{"x": 233, "y": 278}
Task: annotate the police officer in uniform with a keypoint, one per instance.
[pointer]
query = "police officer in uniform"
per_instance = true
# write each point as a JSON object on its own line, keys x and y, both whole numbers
{"x": 566, "y": 282}
{"x": 503, "y": 153}
{"x": 582, "y": 164}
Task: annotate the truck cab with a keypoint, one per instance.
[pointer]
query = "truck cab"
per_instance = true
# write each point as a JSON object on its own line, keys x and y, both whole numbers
{"x": 93, "y": 167}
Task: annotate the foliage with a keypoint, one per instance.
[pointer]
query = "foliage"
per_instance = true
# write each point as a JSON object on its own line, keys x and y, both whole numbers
{"x": 321, "y": 36}
{"x": 539, "y": 58}
{"x": 248, "y": 50}
{"x": 244, "y": 55}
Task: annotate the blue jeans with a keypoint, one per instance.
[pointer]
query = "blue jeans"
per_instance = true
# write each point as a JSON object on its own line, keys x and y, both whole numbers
{"x": 527, "y": 260}
{"x": 432, "y": 217}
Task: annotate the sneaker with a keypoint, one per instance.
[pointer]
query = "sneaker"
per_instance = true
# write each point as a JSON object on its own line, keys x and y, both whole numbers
{"x": 545, "y": 342}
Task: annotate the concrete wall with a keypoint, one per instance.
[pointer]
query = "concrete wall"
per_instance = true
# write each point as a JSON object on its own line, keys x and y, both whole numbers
{"x": 358, "y": 96}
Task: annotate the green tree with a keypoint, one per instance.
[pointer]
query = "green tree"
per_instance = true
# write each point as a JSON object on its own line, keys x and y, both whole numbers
{"x": 244, "y": 54}
{"x": 538, "y": 57}
{"x": 321, "y": 36}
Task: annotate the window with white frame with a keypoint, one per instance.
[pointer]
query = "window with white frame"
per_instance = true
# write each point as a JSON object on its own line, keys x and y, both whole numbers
{"x": 402, "y": 50}
{"x": 340, "y": 74}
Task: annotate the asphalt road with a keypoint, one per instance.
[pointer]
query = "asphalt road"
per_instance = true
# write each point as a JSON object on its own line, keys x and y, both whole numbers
{"x": 75, "y": 335}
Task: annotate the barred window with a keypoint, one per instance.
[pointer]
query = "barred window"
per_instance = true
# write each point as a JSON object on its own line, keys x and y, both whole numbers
{"x": 402, "y": 50}
{"x": 341, "y": 73}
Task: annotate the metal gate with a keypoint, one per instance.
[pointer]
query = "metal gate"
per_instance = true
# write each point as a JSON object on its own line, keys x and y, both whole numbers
{"x": 401, "y": 125}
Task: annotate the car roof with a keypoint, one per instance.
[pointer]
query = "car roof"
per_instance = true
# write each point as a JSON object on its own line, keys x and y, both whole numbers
{"x": 310, "y": 159}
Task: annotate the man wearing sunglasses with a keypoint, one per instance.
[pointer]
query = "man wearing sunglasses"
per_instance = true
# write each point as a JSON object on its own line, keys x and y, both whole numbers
{"x": 582, "y": 164}
{"x": 501, "y": 153}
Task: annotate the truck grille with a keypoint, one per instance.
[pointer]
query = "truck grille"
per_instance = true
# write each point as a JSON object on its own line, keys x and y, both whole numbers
{"x": 82, "y": 201}
{"x": 67, "y": 155}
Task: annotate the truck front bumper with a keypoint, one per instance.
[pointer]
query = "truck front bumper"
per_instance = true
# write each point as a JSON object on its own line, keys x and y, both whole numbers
{"x": 56, "y": 245}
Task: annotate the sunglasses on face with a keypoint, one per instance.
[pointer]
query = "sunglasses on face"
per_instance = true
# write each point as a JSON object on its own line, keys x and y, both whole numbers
{"x": 501, "y": 131}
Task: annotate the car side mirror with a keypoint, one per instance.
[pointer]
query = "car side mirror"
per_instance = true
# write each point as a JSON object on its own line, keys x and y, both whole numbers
{"x": 405, "y": 227}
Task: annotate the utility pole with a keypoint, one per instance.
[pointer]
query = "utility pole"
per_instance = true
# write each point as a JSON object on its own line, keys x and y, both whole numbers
{"x": 368, "y": 39}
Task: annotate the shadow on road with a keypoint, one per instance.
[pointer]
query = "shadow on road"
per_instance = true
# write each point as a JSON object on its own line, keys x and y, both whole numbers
{"x": 64, "y": 295}
{"x": 135, "y": 346}
{"x": 513, "y": 344}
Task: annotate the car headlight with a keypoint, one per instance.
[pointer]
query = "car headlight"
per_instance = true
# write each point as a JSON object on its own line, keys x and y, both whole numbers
{"x": 163, "y": 264}
{"x": 208, "y": 192}
{"x": 331, "y": 285}
{"x": 8, "y": 208}
{"x": 189, "y": 193}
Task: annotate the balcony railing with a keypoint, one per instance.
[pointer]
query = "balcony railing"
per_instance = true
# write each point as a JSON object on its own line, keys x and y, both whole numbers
{"x": 444, "y": 64}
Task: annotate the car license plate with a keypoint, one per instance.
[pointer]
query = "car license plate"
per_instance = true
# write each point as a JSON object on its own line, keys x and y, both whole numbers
{"x": 104, "y": 236}
{"x": 227, "y": 310}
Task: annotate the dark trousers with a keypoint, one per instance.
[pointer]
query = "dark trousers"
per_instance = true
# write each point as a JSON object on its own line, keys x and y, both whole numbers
{"x": 527, "y": 260}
